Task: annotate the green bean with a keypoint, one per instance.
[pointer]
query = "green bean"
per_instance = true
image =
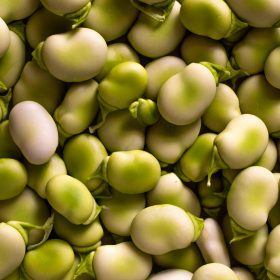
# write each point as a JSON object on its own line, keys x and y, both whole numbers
{"x": 171, "y": 190}
{"x": 188, "y": 258}
{"x": 166, "y": 147}
{"x": 34, "y": 131}
{"x": 12, "y": 249}
{"x": 213, "y": 19}
{"x": 67, "y": 55}
{"x": 183, "y": 99}
{"x": 121, "y": 132}
{"x": 13, "y": 178}
{"x": 38, "y": 85}
{"x": 71, "y": 198}
{"x": 161, "y": 228}
{"x": 82, "y": 155}
{"x": 52, "y": 260}
{"x": 42, "y": 24}
{"x": 39, "y": 175}
{"x": 26, "y": 207}
{"x": 160, "y": 70}
{"x": 161, "y": 38}
{"x": 223, "y": 108}
{"x": 119, "y": 211}
{"x": 257, "y": 13}
{"x": 110, "y": 18}
{"x": 214, "y": 271}
{"x": 134, "y": 264}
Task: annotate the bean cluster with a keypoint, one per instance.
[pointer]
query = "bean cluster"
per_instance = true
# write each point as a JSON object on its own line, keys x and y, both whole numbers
{"x": 139, "y": 139}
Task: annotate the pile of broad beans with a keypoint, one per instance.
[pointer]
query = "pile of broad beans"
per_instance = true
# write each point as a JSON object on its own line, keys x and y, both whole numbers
{"x": 139, "y": 139}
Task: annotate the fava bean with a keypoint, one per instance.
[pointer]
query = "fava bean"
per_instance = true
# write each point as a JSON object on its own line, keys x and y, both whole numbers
{"x": 161, "y": 38}
{"x": 161, "y": 228}
{"x": 13, "y": 178}
{"x": 133, "y": 264}
{"x": 67, "y": 55}
{"x": 270, "y": 67}
{"x": 110, "y": 18}
{"x": 175, "y": 274}
{"x": 34, "y": 131}
{"x": 5, "y": 37}
{"x": 188, "y": 258}
{"x": 243, "y": 273}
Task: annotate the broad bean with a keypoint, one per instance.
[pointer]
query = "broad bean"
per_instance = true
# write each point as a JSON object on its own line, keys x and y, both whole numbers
{"x": 175, "y": 274}
{"x": 5, "y": 37}
{"x": 270, "y": 67}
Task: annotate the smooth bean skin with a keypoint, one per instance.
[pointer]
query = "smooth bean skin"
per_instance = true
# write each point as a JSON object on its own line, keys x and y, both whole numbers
{"x": 120, "y": 210}
{"x": 214, "y": 271}
{"x": 257, "y": 13}
{"x": 34, "y": 131}
{"x": 67, "y": 55}
{"x": 64, "y": 7}
{"x": 166, "y": 147}
{"x": 39, "y": 175}
{"x": 50, "y": 261}
{"x": 82, "y": 155}
{"x": 160, "y": 70}
{"x": 12, "y": 62}
{"x": 37, "y": 85}
{"x": 256, "y": 190}
{"x": 250, "y": 53}
{"x": 110, "y": 18}
{"x": 243, "y": 273}
{"x": 133, "y": 265}
{"x": 183, "y": 99}
{"x": 223, "y": 108}
{"x": 210, "y": 19}
{"x": 188, "y": 258}
{"x": 212, "y": 244}
{"x": 256, "y": 90}
{"x": 125, "y": 83}
{"x": 71, "y": 198}
{"x": 14, "y": 275}
{"x": 116, "y": 54}
{"x": 18, "y": 9}
{"x": 12, "y": 249}
{"x": 196, "y": 48}
{"x": 5, "y": 37}
{"x": 171, "y": 190}
{"x": 243, "y": 141}
{"x": 13, "y": 178}
{"x": 26, "y": 207}
{"x": 175, "y": 274}
{"x": 160, "y": 38}
{"x": 43, "y": 24}
{"x": 271, "y": 260}
{"x": 271, "y": 65}
{"x": 121, "y": 132}
{"x": 269, "y": 157}
{"x": 78, "y": 108}
{"x": 132, "y": 172}
{"x": 195, "y": 161}
{"x": 78, "y": 235}
{"x": 161, "y": 228}
{"x": 8, "y": 148}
